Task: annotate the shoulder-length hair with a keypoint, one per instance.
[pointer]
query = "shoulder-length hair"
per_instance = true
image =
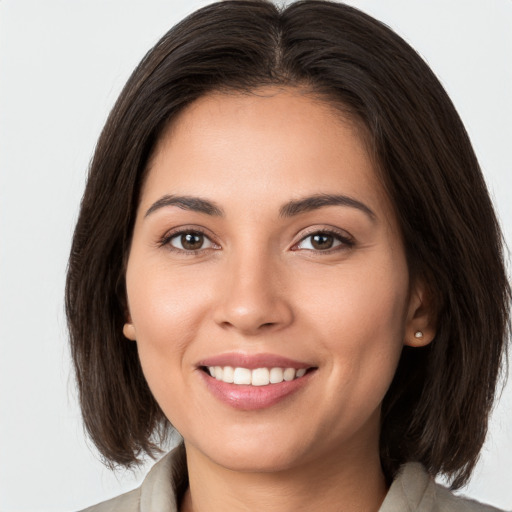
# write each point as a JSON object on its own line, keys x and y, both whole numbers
{"x": 436, "y": 410}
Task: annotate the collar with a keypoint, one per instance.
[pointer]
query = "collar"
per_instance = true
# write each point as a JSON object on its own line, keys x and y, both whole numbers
{"x": 413, "y": 489}
{"x": 164, "y": 485}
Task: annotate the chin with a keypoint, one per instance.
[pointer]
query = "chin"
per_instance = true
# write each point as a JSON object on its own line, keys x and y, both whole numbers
{"x": 256, "y": 461}
{"x": 252, "y": 454}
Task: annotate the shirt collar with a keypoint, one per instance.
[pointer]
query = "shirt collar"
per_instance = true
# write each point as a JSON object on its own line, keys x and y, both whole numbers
{"x": 412, "y": 490}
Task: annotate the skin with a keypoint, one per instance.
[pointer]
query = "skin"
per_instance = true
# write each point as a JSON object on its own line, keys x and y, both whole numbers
{"x": 258, "y": 285}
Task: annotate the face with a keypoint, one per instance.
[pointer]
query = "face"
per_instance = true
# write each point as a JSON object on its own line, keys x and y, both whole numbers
{"x": 268, "y": 289}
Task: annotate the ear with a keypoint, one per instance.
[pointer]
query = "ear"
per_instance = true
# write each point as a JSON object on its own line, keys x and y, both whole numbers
{"x": 420, "y": 327}
{"x": 129, "y": 329}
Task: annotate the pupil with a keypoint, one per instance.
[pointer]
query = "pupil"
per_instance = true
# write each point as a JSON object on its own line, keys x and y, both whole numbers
{"x": 192, "y": 241}
{"x": 322, "y": 241}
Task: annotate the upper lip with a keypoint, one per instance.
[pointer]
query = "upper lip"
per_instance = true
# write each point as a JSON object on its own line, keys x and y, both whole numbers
{"x": 253, "y": 361}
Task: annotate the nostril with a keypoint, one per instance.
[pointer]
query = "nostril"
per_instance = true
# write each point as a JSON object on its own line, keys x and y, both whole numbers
{"x": 252, "y": 317}
{"x": 234, "y": 324}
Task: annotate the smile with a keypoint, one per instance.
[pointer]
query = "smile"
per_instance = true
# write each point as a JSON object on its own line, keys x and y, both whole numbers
{"x": 254, "y": 381}
{"x": 255, "y": 377}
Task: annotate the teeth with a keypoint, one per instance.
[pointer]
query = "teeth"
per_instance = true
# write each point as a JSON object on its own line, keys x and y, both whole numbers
{"x": 228, "y": 374}
{"x": 257, "y": 377}
{"x": 289, "y": 374}
{"x": 242, "y": 376}
{"x": 260, "y": 377}
{"x": 276, "y": 375}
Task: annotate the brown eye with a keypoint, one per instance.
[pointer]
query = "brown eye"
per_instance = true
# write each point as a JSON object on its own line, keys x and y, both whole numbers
{"x": 190, "y": 241}
{"x": 322, "y": 241}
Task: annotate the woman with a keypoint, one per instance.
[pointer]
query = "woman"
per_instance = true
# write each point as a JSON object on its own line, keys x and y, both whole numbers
{"x": 286, "y": 250}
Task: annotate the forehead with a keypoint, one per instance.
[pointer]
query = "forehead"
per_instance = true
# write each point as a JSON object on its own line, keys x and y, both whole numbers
{"x": 257, "y": 144}
{"x": 264, "y": 110}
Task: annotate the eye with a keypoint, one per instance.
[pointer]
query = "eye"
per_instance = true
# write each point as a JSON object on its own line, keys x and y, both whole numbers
{"x": 189, "y": 241}
{"x": 324, "y": 241}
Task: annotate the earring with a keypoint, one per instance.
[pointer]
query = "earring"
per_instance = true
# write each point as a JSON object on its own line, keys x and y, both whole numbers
{"x": 418, "y": 334}
{"x": 129, "y": 331}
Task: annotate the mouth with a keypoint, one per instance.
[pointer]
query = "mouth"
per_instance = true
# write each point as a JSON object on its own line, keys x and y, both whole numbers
{"x": 254, "y": 381}
{"x": 257, "y": 376}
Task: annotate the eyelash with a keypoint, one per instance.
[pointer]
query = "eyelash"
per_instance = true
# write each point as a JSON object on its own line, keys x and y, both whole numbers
{"x": 346, "y": 241}
{"x": 168, "y": 237}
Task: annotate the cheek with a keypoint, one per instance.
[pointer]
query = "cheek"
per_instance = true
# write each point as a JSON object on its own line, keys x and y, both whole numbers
{"x": 367, "y": 335}
{"x": 167, "y": 312}
{"x": 164, "y": 303}
{"x": 370, "y": 301}
{"x": 361, "y": 321}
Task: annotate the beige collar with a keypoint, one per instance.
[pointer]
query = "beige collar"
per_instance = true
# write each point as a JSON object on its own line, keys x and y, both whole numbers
{"x": 413, "y": 490}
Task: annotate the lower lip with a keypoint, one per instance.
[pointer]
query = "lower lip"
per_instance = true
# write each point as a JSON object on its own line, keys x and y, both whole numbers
{"x": 250, "y": 398}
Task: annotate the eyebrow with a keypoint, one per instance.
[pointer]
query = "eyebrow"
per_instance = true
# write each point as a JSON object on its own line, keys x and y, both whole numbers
{"x": 317, "y": 201}
{"x": 191, "y": 203}
{"x": 290, "y": 209}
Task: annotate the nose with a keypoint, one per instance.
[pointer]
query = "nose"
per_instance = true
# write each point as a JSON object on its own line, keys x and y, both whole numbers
{"x": 253, "y": 297}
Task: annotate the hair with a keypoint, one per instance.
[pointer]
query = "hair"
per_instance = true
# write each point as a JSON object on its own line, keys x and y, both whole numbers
{"x": 436, "y": 410}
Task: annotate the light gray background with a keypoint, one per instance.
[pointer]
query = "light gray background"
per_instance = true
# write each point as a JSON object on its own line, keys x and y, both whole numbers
{"x": 62, "y": 64}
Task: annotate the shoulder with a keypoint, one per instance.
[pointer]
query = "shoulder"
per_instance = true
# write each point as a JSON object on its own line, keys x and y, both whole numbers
{"x": 128, "y": 502}
{"x": 450, "y": 502}
{"x": 159, "y": 491}
{"x": 414, "y": 490}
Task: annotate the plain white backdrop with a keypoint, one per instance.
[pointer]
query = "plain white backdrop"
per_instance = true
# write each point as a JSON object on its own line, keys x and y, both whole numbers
{"x": 62, "y": 65}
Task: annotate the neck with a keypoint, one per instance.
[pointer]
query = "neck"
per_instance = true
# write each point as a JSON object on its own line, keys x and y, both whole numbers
{"x": 333, "y": 482}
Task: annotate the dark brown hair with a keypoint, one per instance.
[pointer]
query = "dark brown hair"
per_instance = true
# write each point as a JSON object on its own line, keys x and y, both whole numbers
{"x": 436, "y": 410}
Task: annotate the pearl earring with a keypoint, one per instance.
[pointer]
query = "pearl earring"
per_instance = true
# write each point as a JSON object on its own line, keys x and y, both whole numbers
{"x": 418, "y": 334}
